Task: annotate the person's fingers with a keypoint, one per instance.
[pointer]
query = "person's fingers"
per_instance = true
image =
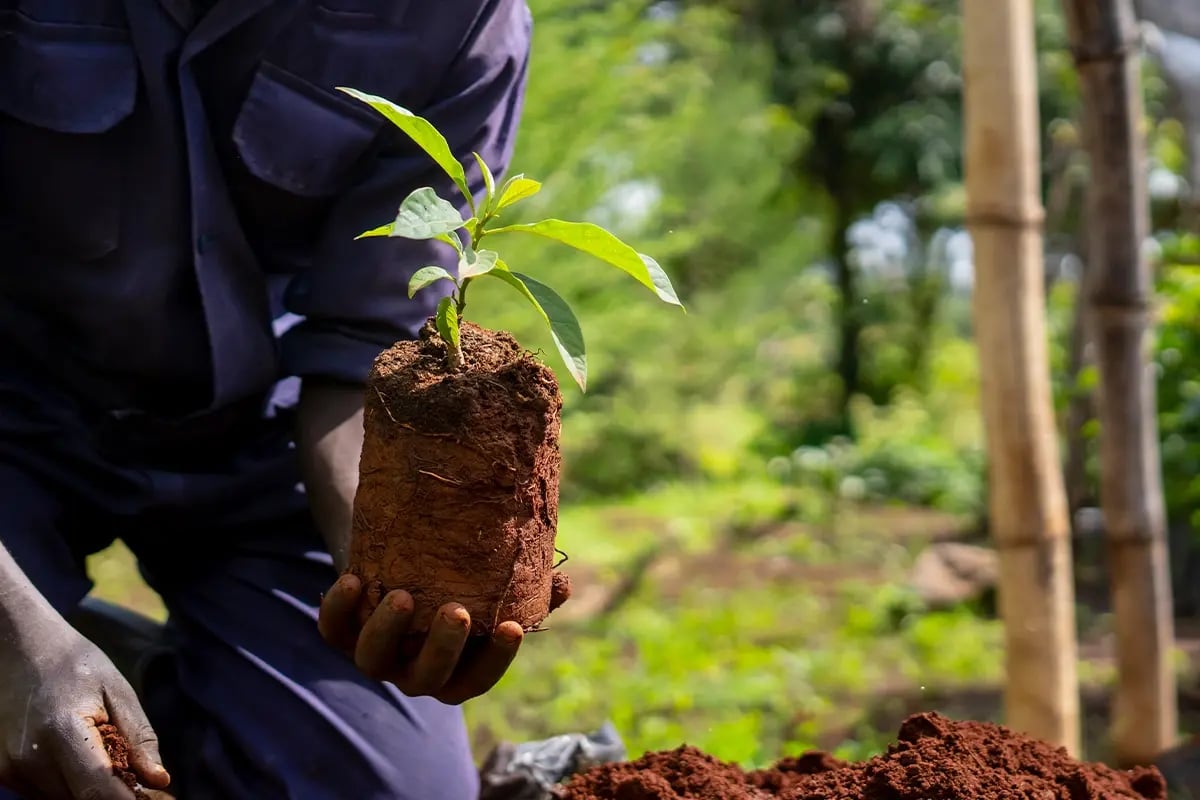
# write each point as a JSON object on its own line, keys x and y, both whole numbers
{"x": 379, "y": 641}
{"x": 372, "y": 596}
{"x": 338, "y": 617}
{"x": 84, "y": 762}
{"x": 483, "y": 670}
{"x": 439, "y": 655}
{"x": 127, "y": 715}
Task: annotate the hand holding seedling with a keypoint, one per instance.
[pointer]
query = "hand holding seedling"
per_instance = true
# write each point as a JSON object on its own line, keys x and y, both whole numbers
{"x": 447, "y": 663}
{"x": 455, "y": 510}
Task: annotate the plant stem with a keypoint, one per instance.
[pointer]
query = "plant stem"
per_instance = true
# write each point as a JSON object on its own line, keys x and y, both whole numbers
{"x": 460, "y": 298}
{"x": 454, "y": 356}
{"x": 478, "y": 233}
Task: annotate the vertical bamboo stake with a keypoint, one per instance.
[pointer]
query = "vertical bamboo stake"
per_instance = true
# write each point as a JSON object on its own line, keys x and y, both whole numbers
{"x": 1103, "y": 37}
{"x": 1027, "y": 499}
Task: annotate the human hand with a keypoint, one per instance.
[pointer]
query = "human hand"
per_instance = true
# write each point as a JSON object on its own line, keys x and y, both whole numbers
{"x": 448, "y": 664}
{"x": 54, "y": 694}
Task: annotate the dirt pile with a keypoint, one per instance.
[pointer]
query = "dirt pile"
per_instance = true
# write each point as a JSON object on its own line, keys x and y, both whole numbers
{"x": 934, "y": 758}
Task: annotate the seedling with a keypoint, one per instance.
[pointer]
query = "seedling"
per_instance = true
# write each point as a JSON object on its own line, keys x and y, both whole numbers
{"x": 426, "y": 215}
{"x": 457, "y": 498}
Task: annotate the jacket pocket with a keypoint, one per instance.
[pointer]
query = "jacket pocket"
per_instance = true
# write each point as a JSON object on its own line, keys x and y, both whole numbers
{"x": 303, "y": 139}
{"x": 65, "y": 89}
{"x": 366, "y": 15}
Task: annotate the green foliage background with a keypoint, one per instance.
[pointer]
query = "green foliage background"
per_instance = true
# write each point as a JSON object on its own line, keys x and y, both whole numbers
{"x": 747, "y": 122}
{"x": 748, "y": 526}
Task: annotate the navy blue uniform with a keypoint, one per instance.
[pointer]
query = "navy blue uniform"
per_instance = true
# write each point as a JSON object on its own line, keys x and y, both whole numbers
{"x": 180, "y": 188}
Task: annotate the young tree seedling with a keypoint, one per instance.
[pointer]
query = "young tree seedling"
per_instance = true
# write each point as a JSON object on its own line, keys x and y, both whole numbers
{"x": 426, "y": 215}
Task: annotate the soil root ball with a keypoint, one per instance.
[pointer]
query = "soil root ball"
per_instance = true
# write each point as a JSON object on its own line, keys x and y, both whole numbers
{"x": 458, "y": 482}
{"x": 934, "y": 758}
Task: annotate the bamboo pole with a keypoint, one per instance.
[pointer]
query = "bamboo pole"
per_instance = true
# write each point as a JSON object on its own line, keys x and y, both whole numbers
{"x": 1103, "y": 36}
{"x": 1027, "y": 499}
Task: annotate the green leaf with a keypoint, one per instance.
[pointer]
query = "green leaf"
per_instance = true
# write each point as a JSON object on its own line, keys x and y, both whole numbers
{"x": 422, "y": 132}
{"x": 424, "y": 215}
{"x": 564, "y": 327}
{"x": 451, "y": 238}
{"x": 425, "y": 276}
{"x": 474, "y": 263}
{"x": 382, "y": 230}
{"x": 502, "y": 272}
{"x": 517, "y": 189}
{"x": 662, "y": 284}
{"x": 489, "y": 180}
{"x": 594, "y": 240}
{"x": 447, "y": 321}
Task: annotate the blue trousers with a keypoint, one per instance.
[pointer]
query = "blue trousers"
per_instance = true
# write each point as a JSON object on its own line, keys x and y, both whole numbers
{"x": 250, "y": 703}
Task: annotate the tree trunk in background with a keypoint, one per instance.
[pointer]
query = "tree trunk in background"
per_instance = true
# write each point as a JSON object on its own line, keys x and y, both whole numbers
{"x": 1027, "y": 500}
{"x": 849, "y": 314}
{"x": 859, "y": 16}
{"x": 1103, "y": 36}
{"x": 926, "y": 287}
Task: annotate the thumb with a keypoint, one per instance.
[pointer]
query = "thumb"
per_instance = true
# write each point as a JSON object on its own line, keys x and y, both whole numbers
{"x": 126, "y": 713}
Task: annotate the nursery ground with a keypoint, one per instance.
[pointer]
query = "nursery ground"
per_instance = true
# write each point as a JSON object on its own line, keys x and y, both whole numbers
{"x": 699, "y": 618}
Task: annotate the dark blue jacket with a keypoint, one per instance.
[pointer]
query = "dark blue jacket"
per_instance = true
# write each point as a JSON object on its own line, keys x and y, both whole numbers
{"x": 179, "y": 185}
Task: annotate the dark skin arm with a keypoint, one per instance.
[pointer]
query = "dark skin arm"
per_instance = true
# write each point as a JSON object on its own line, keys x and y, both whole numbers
{"x": 56, "y": 687}
{"x": 448, "y": 667}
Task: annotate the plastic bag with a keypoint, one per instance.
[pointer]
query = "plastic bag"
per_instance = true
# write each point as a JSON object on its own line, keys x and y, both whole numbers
{"x": 531, "y": 770}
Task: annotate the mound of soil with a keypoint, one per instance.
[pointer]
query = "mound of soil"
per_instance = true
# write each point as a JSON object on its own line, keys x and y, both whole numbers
{"x": 117, "y": 748}
{"x": 458, "y": 481}
{"x": 934, "y": 758}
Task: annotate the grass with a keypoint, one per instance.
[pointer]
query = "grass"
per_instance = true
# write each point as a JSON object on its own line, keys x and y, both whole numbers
{"x": 747, "y": 647}
{"x": 115, "y": 574}
{"x": 705, "y": 615}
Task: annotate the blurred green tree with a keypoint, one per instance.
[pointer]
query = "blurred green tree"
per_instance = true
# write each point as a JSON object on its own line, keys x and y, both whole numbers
{"x": 877, "y": 86}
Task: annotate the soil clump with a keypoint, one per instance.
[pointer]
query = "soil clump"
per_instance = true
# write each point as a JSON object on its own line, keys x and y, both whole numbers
{"x": 117, "y": 747}
{"x": 458, "y": 480}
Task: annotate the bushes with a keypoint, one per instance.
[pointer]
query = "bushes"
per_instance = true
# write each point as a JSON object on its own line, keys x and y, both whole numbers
{"x": 1177, "y": 357}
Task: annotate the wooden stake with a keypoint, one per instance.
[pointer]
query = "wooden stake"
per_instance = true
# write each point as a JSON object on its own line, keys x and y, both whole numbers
{"x": 1104, "y": 39}
{"x": 1027, "y": 499}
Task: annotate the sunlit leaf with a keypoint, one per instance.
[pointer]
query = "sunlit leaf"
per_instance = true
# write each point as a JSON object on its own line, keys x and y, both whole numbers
{"x": 382, "y": 230}
{"x": 425, "y": 276}
{"x": 447, "y": 322}
{"x": 422, "y": 132}
{"x": 517, "y": 189}
{"x": 424, "y": 215}
{"x": 662, "y": 284}
{"x": 564, "y": 326}
{"x": 594, "y": 240}
{"x": 489, "y": 180}
{"x": 474, "y": 263}
{"x": 451, "y": 238}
